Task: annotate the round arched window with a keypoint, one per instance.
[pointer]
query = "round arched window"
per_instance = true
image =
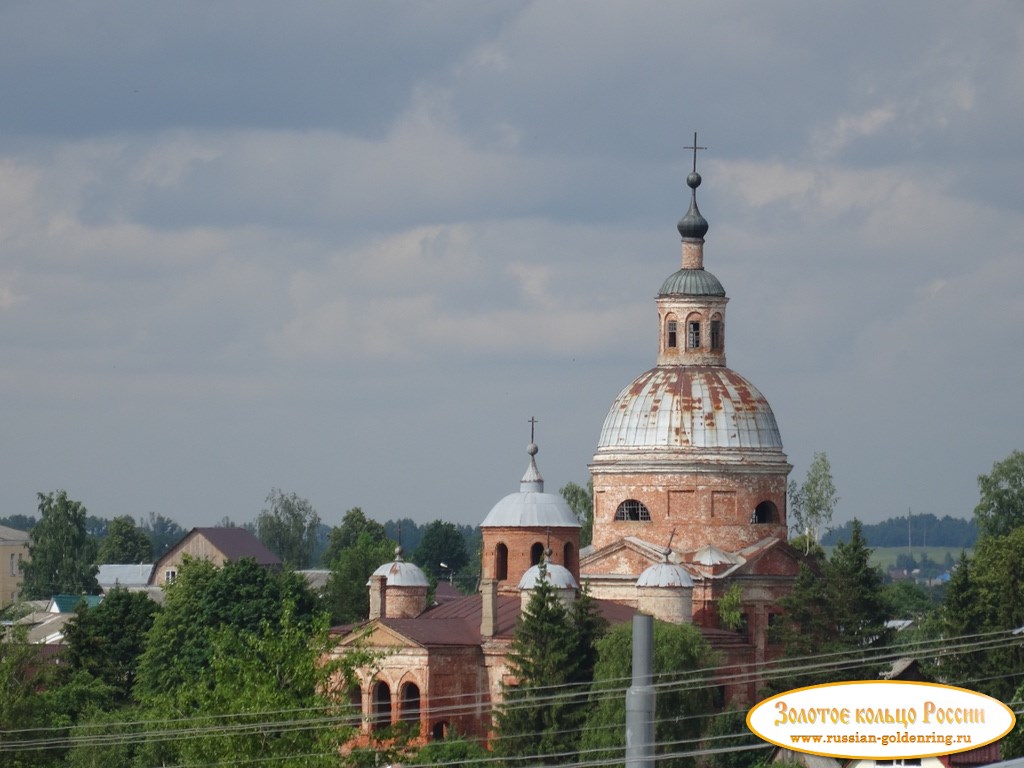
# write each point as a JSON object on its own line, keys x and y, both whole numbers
{"x": 633, "y": 510}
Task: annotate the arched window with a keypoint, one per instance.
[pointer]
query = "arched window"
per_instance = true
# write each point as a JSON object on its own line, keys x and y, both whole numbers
{"x": 535, "y": 553}
{"x": 501, "y": 562}
{"x": 355, "y": 697}
{"x": 693, "y": 332}
{"x": 410, "y": 711}
{"x": 671, "y": 333}
{"x": 439, "y": 730}
{"x": 765, "y": 512}
{"x": 381, "y": 706}
{"x": 569, "y": 556}
{"x": 717, "y": 336}
{"x": 631, "y": 509}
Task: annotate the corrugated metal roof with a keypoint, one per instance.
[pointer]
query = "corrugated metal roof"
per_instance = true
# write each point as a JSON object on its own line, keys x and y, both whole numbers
{"x": 691, "y": 282}
{"x": 131, "y": 575}
{"x": 665, "y": 575}
{"x": 675, "y": 406}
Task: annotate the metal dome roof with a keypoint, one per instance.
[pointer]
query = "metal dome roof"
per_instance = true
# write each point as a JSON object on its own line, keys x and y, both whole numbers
{"x": 399, "y": 573}
{"x": 691, "y": 282}
{"x": 531, "y": 507}
{"x": 557, "y": 575}
{"x": 690, "y": 407}
{"x": 665, "y": 575}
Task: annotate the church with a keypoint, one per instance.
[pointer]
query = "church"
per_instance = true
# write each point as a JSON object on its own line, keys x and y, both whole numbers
{"x": 689, "y": 479}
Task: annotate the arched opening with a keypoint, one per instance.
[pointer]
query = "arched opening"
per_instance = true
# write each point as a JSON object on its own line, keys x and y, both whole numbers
{"x": 381, "y": 706}
{"x": 410, "y": 707}
{"x": 717, "y": 332}
{"x": 765, "y": 512}
{"x": 439, "y": 730}
{"x": 501, "y": 562}
{"x": 536, "y": 551}
{"x": 355, "y": 697}
{"x": 693, "y": 332}
{"x": 569, "y": 557}
{"x": 671, "y": 332}
{"x": 634, "y": 511}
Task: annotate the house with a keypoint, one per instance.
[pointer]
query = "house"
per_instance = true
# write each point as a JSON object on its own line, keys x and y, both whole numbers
{"x": 218, "y": 545}
{"x": 13, "y": 552}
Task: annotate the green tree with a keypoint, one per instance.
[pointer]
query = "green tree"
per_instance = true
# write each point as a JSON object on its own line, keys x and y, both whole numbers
{"x": 682, "y": 702}
{"x": 125, "y": 543}
{"x": 811, "y": 504}
{"x": 241, "y": 594}
{"x": 581, "y": 502}
{"x": 346, "y": 595}
{"x": 441, "y": 543}
{"x": 62, "y": 557}
{"x": 163, "y": 533}
{"x": 1001, "y": 507}
{"x": 288, "y": 526}
{"x": 836, "y": 606}
{"x": 730, "y": 608}
{"x": 551, "y": 657}
{"x": 907, "y": 600}
{"x": 107, "y": 640}
{"x": 985, "y": 596}
{"x": 343, "y": 536}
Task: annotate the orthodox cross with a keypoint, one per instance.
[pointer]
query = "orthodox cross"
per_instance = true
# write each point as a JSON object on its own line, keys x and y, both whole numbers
{"x": 694, "y": 148}
{"x": 533, "y": 423}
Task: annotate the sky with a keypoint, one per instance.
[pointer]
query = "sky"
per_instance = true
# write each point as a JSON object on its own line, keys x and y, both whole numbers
{"x": 349, "y": 249}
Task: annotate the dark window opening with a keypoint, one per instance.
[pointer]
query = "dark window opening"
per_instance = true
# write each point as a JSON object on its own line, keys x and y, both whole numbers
{"x": 501, "y": 562}
{"x": 765, "y": 512}
{"x": 693, "y": 329}
{"x": 439, "y": 731}
{"x": 381, "y": 706}
{"x": 410, "y": 703}
{"x": 716, "y": 334}
{"x": 633, "y": 510}
{"x": 535, "y": 553}
{"x": 569, "y": 556}
{"x": 672, "y": 342}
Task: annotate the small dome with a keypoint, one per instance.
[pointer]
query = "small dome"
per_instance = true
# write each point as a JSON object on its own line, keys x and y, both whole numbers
{"x": 531, "y": 507}
{"x": 558, "y": 576}
{"x": 691, "y": 282}
{"x": 665, "y": 575}
{"x": 712, "y": 555}
{"x": 690, "y": 407}
{"x": 693, "y": 226}
{"x": 399, "y": 573}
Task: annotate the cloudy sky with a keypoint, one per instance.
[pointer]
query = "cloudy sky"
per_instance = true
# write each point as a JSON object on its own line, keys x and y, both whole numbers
{"x": 349, "y": 249}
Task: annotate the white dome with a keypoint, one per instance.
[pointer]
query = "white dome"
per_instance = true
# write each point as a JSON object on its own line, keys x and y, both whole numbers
{"x": 557, "y": 575}
{"x": 665, "y": 575}
{"x": 531, "y": 509}
{"x": 693, "y": 406}
{"x": 399, "y": 573}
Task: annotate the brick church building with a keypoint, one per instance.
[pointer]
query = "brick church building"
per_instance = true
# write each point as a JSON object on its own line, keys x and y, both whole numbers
{"x": 689, "y": 482}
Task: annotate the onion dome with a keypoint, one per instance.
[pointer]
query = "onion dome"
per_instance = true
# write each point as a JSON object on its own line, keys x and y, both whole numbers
{"x": 665, "y": 575}
{"x": 693, "y": 226}
{"x": 531, "y": 507}
{"x": 691, "y": 282}
{"x": 399, "y": 573}
{"x": 556, "y": 575}
{"x": 690, "y": 407}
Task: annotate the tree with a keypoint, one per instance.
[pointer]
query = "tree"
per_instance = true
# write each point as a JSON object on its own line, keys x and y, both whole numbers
{"x": 241, "y": 594}
{"x": 62, "y": 557}
{"x": 124, "y": 543}
{"x": 346, "y": 595}
{"x": 347, "y": 534}
{"x": 441, "y": 543}
{"x": 811, "y": 505}
{"x": 581, "y": 502}
{"x": 107, "y": 640}
{"x": 730, "y": 608}
{"x": 1001, "y": 507}
{"x": 836, "y": 606}
{"x": 682, "y": 702}
{"x": 552, "y": 657}
{"x": 289, "y": 527}
{"x": 163, "y": 533}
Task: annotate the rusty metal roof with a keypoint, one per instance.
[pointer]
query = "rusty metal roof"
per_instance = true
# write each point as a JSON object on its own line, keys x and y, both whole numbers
{"x": 698, "y": 406}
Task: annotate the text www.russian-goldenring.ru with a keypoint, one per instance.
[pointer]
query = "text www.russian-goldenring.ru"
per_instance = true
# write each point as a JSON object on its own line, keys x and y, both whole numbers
{"x": 884, "y": 740}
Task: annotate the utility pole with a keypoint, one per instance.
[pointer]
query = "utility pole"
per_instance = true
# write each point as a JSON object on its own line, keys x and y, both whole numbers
{"x": 641, "y": 696}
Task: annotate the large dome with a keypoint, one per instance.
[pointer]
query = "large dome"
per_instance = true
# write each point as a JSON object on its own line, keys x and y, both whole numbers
{"x": 673, "y": 406}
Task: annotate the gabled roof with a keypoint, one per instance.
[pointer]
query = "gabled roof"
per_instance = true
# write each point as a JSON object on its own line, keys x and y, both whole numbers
{"x": 112, "y": 575}
{"x": 238, "y": 543}
{"x": 8, "y": 535}
{"x": 68, "y": 603}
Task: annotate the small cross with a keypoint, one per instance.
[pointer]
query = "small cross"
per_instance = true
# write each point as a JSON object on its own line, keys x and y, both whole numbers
{"x": 694, "y": 148}
{"x": 533, "y": 423}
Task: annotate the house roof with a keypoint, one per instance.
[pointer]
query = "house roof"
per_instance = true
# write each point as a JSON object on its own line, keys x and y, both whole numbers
{"x": 238, "y": 543}
{"x": 12, "y": 534}
{"x": 68, "y": 603}
{"x": 112, "y": 575}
